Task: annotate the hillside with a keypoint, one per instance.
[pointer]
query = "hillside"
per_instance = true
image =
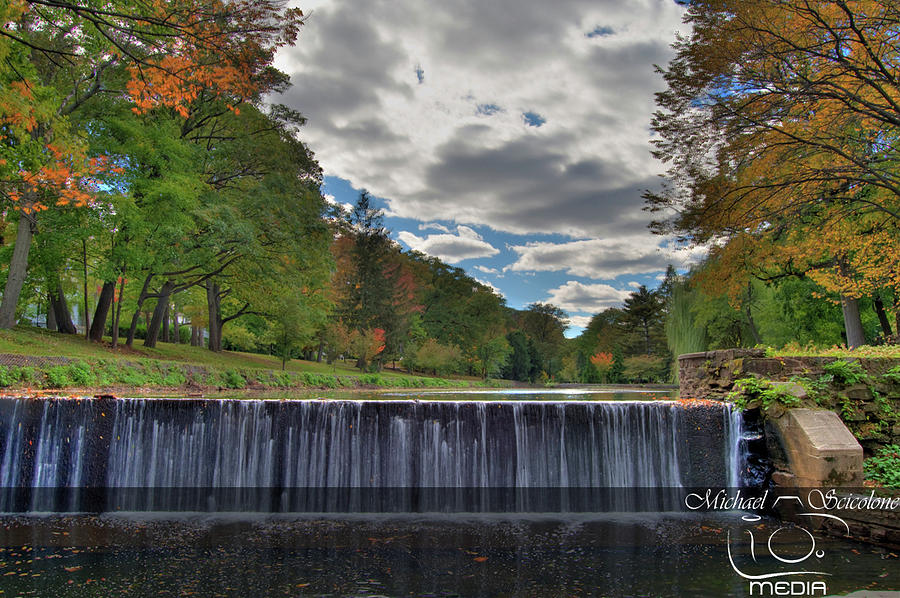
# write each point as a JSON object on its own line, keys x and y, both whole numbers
{"x": 35, "y": 358}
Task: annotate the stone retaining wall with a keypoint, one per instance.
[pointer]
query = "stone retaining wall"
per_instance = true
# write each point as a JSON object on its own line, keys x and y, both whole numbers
{"x": 870, "y": 409}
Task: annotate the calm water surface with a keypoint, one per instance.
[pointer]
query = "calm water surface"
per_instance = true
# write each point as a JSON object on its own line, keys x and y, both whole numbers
{"x": 623, "y": 555}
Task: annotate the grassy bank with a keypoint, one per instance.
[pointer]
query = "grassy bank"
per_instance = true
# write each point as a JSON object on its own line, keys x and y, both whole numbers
{"x": 34, "y": 358}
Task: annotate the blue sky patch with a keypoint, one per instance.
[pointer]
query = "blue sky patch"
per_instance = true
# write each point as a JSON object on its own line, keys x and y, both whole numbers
{"x": 600, "y": 31}
{"x": 533, "y": 119}
{"x": 487, "y": 109}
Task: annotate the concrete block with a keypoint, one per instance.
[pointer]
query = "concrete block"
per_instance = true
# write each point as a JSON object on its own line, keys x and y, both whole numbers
{"x": 818, "y": 448}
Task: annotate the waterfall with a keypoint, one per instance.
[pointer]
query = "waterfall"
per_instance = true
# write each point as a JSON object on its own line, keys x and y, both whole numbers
{"x": 735, "y": 452}
{"x": 168, "y": 454}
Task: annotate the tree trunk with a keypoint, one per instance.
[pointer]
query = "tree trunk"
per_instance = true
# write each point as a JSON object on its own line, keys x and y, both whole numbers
{"x": 87, "y": 317}
{"x": 751, "y": 324}
{"x": 214, "y": 304}
{"x": 51, "y": 313}
{"x": 137, "y": 310}
{"x": 897, "y": 312}
{"x": 117, "y": 311}
{"x": 176, "y": 333}
{"x": 321, "y": 352}
{"x": 98, "y": 326}
{"x": 882, "y": 315}
{"x": 61, "y": 310}
{"x": 165, "y": 324}
{"x": 195, "y": 335}
{"x": 852, "y": 322}
{"x": 18, "y": 267}
{"x": 162, "y": 304}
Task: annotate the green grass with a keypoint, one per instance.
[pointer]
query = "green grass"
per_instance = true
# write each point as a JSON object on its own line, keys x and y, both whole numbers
{"x": 866, "y": 351}
{"x": 41, "y": 342}
{"x": 98, "y": 365}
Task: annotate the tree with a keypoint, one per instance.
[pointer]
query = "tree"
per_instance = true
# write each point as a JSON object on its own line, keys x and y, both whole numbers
{"x": 439, "y": 359}
{"x": 546, "y": 325}
{"x": 369, "y": 293}
{"x": 521, "y": 364}
{"x": 644, "y": 313}
{"x": 617, "y": 371}
{"x": 163, "y": 54}
{"x": 603, "y": 362}
{"x": 780, "y": 123}
{"x": 367, "y": 345}
{"x": 491, "y": 354}
{"x": 373, "y": 279}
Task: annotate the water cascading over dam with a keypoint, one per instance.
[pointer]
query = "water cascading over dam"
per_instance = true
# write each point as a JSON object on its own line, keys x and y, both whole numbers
{"x": 64, "y": 455}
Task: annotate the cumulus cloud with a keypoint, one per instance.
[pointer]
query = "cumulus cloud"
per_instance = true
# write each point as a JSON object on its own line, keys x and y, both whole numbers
{"x": 434, "y": 226}
{"x": 523, "y": 115}
{"x": 490, "y": 286}
{"x": 330, "y": 199}
{"x": 603, "y": 258}
{"x": 578, "y": 297}
{"x": 452, "y": 248}
{"x": 579, "y": 321}
{"x": 487, "y": 270}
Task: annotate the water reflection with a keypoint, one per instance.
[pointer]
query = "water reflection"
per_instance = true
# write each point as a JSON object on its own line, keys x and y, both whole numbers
{"x": 633, "y": 555}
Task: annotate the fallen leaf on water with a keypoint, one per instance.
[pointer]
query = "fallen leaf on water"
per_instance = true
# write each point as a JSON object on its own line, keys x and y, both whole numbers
{"x": 480, "y": 559}
{"x": 72, "y": 569}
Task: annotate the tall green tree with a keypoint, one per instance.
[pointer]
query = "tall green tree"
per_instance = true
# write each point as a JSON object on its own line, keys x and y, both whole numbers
{"x": 546, "y": 324}
{"x": 643, "y": 313}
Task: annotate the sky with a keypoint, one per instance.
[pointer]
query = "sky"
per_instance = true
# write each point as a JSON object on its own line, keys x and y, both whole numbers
{"x": 510, "y": 138}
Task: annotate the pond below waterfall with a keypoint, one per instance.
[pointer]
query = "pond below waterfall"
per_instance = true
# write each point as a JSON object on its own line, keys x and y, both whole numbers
{"x": 648, "y": 555}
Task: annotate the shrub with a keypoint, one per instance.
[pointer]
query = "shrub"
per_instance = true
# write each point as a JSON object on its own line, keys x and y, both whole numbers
{"x": 373, "y": 380}
{"x": 233, "y": 379}
{"x": 884, "y": 467}
{"x": 321, "y": 380}
{"x": 282, "y": 379}
{"x": 57, "y": 377}
{"x": 848, "y": 372}
{"x": 130, "y": 376}
{"x": 81, "y": 374}
{"x": 28, "y": 376}
{"x": 892, "y": 375}
{"x": 437, "y": 382}
{"x": 7, "y": 378}
{"x": 174, "y": 377}
{"x": 750, "y": 390}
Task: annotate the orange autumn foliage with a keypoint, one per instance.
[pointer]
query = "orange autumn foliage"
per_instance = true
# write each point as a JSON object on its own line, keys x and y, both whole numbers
{"x": 174, "y": 51}
{"x": 780, "y": 128}
{"x": 602, "y": 360}
{"x": 379, "y": 337}
{"x": 222, "y": 51}
{"x": 694, "y": 403}
{"x": 63, "y": 180}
